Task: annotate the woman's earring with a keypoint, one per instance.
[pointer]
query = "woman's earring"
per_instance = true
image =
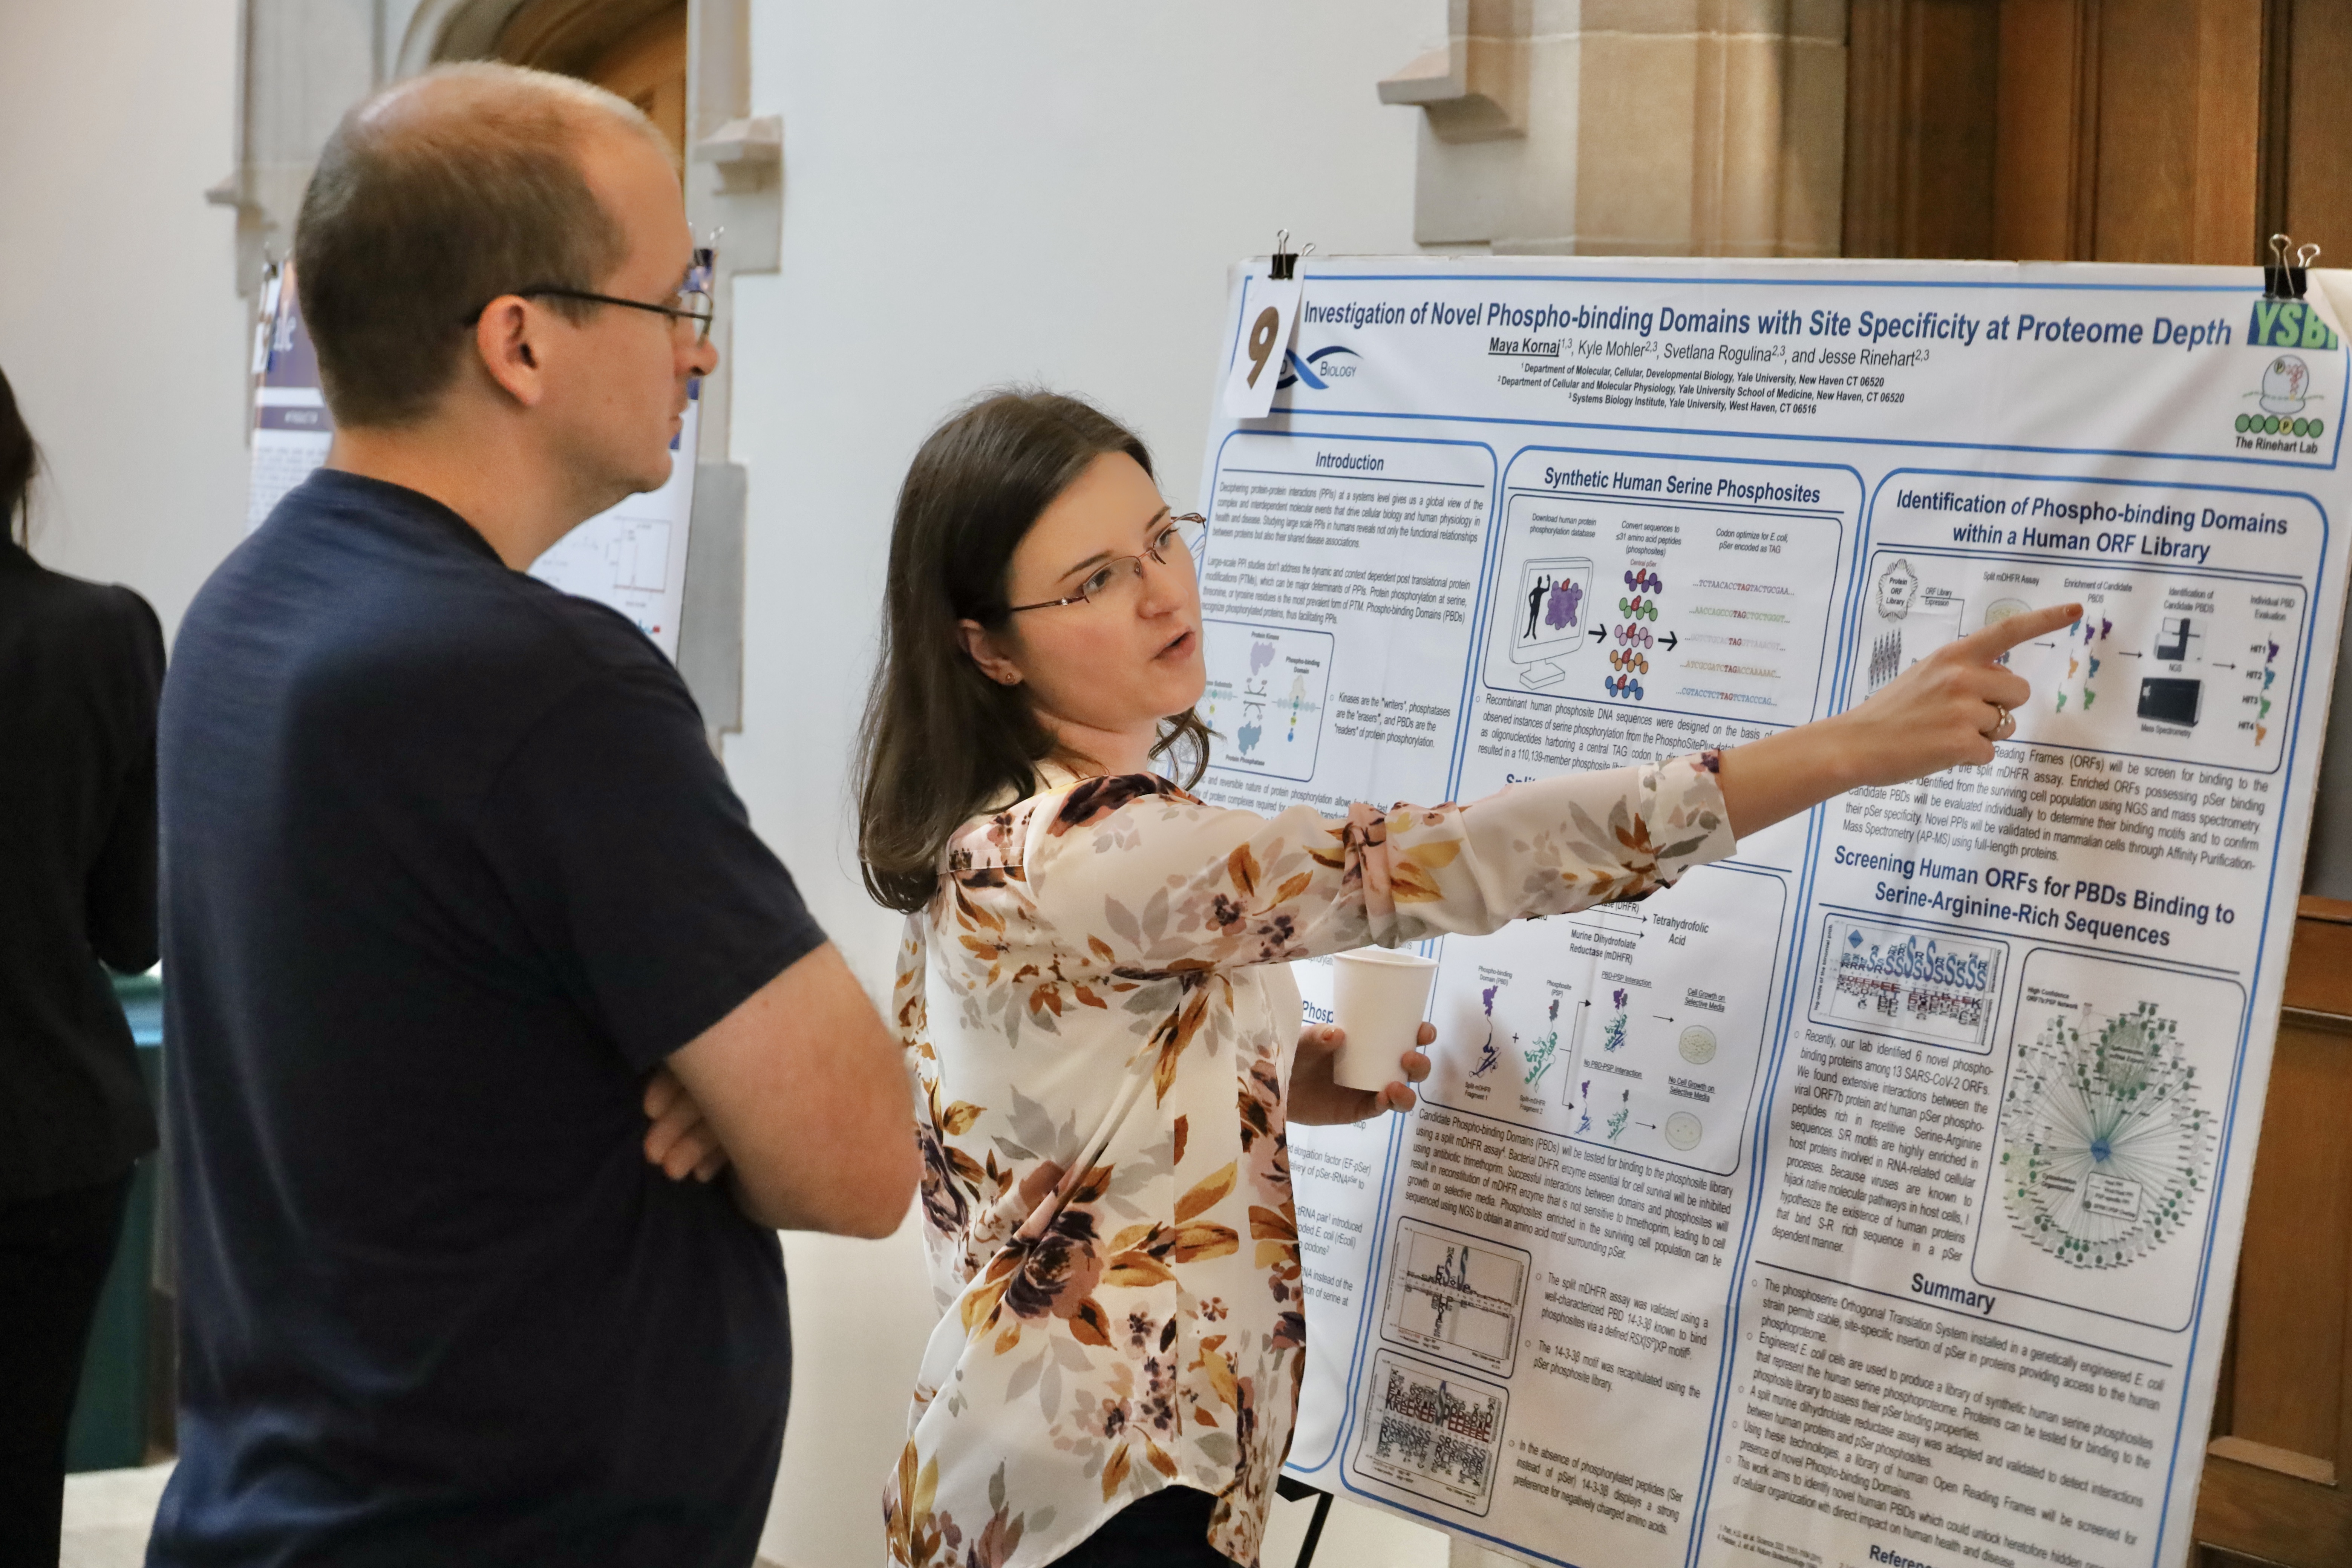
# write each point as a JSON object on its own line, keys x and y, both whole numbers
{"x": 1009, "y": 679}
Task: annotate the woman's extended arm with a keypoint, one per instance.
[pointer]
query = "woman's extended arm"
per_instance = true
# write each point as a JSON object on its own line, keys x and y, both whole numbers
{"x": 1948, "y": 710}
{"x": 1129, "y": 880}
{"x": 1136, "y": 882}
{"x": 1944, "y": 711}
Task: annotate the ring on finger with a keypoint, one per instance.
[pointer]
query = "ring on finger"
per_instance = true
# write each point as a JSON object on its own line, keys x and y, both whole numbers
{"x": 2002, "y": 727}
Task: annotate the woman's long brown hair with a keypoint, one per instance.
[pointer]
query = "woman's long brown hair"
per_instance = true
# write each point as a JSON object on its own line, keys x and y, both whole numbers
{"x": 19, "y": 460}
{"x": 941, "y": 740}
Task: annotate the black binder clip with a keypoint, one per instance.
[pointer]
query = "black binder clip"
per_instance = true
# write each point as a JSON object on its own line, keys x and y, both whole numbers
{"x": 1284, "y": 265}
{"x": 2289, "y": 272}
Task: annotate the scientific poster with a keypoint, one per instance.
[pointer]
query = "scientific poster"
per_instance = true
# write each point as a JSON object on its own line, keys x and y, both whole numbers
{"x": 291, "y": 427}
{"x": 1873, "y": 1196}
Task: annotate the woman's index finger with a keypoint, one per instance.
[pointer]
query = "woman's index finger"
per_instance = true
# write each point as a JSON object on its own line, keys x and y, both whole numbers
{"x": 1992, "y": 641}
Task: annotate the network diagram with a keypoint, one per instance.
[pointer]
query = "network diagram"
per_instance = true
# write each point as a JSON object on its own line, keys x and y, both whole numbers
{"x": 2107, "y": 1146}
{"x": 2106, "y": 1132}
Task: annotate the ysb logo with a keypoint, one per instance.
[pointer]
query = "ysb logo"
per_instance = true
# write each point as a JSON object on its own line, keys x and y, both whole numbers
{"x": 2288, "y": 325}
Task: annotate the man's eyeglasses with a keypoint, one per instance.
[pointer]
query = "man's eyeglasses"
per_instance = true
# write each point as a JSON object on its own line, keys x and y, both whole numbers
{"x": 687, "y": 305}
{"x": 1175, "y": 545}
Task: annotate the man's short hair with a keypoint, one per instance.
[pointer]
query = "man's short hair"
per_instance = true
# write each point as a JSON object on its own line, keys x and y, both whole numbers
{"x": 431, "y": 199}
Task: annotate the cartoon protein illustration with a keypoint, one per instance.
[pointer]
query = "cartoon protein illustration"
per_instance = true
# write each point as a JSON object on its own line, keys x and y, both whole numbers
{"x": 1488, "y": 1057}
{"x": 2287, "y": 385}
{"x": 1566, "y": 595}
{"x": 1552, "y": 602}
{"x": 1539, "y": 1059}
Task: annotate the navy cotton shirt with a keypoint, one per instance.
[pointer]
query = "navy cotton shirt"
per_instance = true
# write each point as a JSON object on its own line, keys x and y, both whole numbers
{"x": 448, "y": 869}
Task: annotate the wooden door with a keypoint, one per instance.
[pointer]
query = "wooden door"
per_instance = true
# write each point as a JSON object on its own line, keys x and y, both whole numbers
{"x": 2280, "y": 1454}
{"x": 636, "y": 48}
{"x": 2168, "y": 130}
{"x": 647, "y": 66}
{"x": 2097, "y": 130}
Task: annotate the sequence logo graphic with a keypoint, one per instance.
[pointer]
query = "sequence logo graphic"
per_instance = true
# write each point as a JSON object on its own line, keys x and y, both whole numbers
{"x": 1319, "y": 369}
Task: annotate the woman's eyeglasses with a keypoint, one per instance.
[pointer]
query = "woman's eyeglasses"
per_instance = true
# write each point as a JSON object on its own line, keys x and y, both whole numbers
{"x": 1116, "y": 578}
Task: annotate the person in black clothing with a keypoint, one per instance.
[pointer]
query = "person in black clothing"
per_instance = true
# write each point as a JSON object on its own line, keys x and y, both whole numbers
{"x": 456, "y": 897}
{"x": 80, "y": 664}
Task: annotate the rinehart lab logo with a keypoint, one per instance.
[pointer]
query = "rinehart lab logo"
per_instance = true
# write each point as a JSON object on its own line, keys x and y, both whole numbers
{"x": 2282, "y": 397}
{"x": 2283, "y": 418}
{"x": 1319, "y": 369}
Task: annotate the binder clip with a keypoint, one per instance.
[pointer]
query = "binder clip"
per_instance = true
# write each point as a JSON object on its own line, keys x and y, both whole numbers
{"x": 1284, "y": 265}
{"x": 2289, "y": 272}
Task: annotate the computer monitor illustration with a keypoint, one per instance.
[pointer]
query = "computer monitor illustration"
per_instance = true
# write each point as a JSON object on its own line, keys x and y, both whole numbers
{"x": 1551, "y": 614}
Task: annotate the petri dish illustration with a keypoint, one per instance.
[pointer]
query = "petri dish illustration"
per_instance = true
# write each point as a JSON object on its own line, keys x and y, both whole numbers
{"x": 1698, "y": 1044}
{"x": 1683, "y": 1131}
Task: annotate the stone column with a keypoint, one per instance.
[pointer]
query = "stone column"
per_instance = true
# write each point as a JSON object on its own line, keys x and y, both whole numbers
{"x": 1632, "y": 127}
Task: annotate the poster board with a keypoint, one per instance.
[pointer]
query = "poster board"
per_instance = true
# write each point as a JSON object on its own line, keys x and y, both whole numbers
{"x": 292, "y": 430}
{"x": 1871, "y": 1196}
{"x": 630, "y": 558}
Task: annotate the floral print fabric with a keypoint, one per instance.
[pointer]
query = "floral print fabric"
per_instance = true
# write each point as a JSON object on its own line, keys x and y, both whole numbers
{"x": 1102, "y": 1043}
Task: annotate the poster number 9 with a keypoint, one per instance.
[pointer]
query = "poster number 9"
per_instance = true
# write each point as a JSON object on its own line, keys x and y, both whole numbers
{"x": 1262, "y": 338}
{"x": 1269, "y": 310}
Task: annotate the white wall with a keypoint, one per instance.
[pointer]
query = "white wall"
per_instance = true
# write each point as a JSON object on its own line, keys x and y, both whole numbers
{"x": 1041, "y": 190}
{"x": 119, "y": 324}
{"x": 1035, "y": 190}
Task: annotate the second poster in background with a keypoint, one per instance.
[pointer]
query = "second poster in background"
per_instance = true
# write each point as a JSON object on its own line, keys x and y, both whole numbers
{"x": 1872, "y": 1196}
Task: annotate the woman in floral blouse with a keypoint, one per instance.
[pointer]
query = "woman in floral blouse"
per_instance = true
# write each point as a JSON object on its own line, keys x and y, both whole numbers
{"x": 1095, "y": 996}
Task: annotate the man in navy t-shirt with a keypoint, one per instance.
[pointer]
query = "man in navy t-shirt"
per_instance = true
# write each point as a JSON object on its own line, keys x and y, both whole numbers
{"x": 473, "y": 960}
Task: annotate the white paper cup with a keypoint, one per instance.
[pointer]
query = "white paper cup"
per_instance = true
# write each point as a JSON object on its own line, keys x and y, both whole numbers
{"x": 1377, "y": 999}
